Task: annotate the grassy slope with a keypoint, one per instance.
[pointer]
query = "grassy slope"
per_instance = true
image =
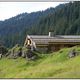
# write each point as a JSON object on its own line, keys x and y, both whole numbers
{"x": 48, "y": 66}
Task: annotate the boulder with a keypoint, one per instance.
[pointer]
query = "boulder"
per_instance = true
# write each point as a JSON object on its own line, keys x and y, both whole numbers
{"x": 24, "y": 52}
{"x": 15, "y": 52}
{"x": 10, "y": 54}
{"x": 31, "y": 58}
{"x": 72, "y": 53}
{"x": 31, "y": 55}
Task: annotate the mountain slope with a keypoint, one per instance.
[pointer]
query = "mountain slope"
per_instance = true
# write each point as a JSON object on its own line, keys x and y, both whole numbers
{"x": 57, "y": 65}
{"x": 63, "y": 19}
{"x": 12, "y": 30}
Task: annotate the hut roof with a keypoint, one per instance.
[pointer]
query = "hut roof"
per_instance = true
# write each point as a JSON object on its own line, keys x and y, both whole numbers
{"x": 45, "y": 39}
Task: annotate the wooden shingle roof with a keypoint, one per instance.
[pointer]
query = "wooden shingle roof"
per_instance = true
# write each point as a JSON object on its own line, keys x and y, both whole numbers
{"x": 57, "y": 36}
{"x": 45, "y": 39}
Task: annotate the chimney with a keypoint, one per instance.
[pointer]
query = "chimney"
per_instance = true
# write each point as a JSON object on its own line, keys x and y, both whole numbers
{"x": 51, "y": 33}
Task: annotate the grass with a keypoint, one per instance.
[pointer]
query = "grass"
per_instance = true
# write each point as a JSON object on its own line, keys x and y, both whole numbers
{"x": 55, "y": 65}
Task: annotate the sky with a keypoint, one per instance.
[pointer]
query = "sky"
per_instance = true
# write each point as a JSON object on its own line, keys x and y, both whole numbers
{"x": 11, "y": 9}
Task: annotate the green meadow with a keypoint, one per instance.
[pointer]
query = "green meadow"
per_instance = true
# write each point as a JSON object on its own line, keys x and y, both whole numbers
{"x": 52, "y": 65}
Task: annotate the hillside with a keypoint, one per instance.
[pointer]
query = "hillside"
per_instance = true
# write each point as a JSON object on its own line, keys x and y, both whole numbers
{"x": 14, "y": 30}
{"x": 63, "y": 19}
{"x": 57, "y": 65}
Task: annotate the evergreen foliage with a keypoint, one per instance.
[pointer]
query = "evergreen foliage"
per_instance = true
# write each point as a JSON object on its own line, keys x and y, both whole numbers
{"x": 63, "y": 19}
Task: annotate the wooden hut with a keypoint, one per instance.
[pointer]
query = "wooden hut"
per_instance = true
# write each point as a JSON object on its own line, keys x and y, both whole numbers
{"x": 52, "y": 42}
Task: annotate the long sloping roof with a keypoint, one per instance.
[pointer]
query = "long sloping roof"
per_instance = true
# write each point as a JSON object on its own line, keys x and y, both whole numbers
{"x": 56, "y": 36}
{"x": 45, "y": 39}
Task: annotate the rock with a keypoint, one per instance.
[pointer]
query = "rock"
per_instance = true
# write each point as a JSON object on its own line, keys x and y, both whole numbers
{"x": 31, "y": 55}
{"x": 72, "y": 53}
{"x": 15, "y": 52}
{"x": 31, "y": 58}
{"x": 24, "y": 52}
{"x": 8, "y": 53}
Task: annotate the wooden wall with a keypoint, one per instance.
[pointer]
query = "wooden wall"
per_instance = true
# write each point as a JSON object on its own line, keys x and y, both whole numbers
{"x": 54, "y": 47}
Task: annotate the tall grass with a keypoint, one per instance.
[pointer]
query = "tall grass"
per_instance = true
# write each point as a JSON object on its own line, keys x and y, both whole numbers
{"x": 55, "y": 65}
